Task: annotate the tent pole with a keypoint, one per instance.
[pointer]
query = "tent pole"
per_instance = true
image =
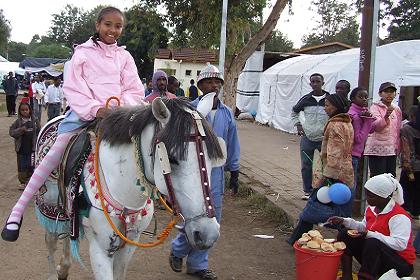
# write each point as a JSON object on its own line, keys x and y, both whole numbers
{"x": 368, "y": 41}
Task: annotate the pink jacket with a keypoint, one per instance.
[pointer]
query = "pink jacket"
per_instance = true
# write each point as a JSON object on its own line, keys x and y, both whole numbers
{"x": 384, "y": 139}
{"x": 361, "y": 126}
{"x": 96, "y": 73}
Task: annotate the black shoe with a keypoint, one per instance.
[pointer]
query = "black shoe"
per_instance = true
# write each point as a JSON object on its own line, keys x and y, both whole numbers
{"x": 11, "y": 234}
{"x": 203, "y": 274}
{"x": 175, "y": 263}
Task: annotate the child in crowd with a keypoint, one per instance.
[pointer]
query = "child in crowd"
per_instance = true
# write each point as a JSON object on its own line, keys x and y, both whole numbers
{"x": 342, "y": 88}
{"x": 382, "y": 145}
{"x": 93, "y": 77}
{"x": 312, "y": 106}
{"x": 335, "y": 166}
{"x": 25, "y": 98}
{"x": 362, "y": 121}
{"x": 25, "y": 130}
{"x": 410, "y": 158}
{"x": 383, "y": 240}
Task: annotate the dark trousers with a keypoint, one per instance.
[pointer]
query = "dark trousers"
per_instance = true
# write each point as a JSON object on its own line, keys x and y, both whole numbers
{"x": 53, "y": 110}
{"x": 307, "y": 149}
{"x": 375, "y": 257}
{"x": 382, "y": 164}
{"x": 11, "y": 104}
{"x": 411, "y": 190}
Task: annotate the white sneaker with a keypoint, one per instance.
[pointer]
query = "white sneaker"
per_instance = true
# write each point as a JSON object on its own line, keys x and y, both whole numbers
{"x": 305, "y": 196}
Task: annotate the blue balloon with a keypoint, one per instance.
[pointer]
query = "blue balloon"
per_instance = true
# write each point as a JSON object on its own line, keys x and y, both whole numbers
{"x": 339, "y": 193}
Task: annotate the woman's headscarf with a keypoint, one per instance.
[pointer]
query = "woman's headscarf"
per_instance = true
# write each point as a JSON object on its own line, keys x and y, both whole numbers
{"x": 156, "y": 76}
{"x": 385, "y": 185}
{"x": 338, "y": 102}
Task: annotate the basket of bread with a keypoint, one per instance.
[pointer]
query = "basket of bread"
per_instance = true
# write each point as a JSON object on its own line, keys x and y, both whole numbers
{"x": 313, "y": 240}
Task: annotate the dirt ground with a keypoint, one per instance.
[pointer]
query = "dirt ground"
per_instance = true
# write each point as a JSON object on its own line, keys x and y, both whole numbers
{"x": 237, "y": 254}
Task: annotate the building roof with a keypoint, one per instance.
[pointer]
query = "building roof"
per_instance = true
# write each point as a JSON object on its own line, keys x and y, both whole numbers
{"x": 187, "y": 54}
{"x": 311, "y": 48}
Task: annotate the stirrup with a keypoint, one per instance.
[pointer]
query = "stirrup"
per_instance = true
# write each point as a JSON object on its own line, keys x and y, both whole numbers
{"x": 11, "y": 235}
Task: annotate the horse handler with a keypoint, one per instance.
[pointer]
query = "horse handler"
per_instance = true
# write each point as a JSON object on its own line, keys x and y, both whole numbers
{"x": 224, "y": 125}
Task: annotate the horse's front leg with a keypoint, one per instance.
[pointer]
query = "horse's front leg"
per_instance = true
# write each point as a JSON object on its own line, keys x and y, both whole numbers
{"x": 103, "y": 243}
{"x": 123, "y": 256}
{"x": 65, "y": 262}
{"x": 51, "y": 243}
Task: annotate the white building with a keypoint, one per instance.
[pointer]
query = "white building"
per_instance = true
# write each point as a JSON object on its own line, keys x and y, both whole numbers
{"x": 185, "y": 64}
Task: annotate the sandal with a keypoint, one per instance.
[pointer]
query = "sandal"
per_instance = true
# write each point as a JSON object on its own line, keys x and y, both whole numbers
{"x": 11, "y": 234}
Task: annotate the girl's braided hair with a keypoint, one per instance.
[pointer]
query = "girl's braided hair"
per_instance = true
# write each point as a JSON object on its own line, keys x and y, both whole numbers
{"x": 107, "y": 10}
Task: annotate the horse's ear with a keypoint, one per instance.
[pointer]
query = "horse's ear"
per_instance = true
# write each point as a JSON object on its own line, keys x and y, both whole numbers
{"x": 160, "y": 111}
{"x": 206, "y": 103}
{"x": 220, "y": 161}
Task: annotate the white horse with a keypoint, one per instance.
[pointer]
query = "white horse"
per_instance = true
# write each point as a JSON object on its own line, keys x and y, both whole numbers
{"x": 131, "y": 152}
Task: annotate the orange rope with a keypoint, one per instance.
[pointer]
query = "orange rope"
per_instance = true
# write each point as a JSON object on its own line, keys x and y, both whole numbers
{"x": 165, "y": 232}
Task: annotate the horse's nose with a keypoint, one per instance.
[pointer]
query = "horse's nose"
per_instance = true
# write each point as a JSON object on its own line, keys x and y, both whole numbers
{"x": 199, "y": 241}
{"x": 197, "y": 237}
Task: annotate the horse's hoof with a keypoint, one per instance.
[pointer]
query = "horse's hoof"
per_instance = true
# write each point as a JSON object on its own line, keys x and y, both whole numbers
{"x": 11, "y": 234}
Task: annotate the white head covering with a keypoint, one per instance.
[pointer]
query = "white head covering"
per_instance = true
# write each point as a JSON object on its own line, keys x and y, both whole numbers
{"x": 385, "y": 185}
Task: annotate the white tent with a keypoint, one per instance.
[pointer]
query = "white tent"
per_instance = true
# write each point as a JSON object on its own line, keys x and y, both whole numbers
{"x": 248, "y": 89}
{"x": 282, "y": 85}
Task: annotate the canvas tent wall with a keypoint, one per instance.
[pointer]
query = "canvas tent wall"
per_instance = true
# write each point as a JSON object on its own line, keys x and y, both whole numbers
{"x": 36, "y": 64}
{"x": 282, "y": 85}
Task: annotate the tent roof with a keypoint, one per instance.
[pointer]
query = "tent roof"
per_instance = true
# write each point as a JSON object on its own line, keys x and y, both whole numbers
{"x": 39, "y": 62}
{"x": 2, "y": 59}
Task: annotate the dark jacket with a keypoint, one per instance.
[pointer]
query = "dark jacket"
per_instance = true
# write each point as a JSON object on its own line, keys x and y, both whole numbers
{"x": 16, "y": 132}
{"x": 314, "y": 115}
{"x": 11, "y": 86}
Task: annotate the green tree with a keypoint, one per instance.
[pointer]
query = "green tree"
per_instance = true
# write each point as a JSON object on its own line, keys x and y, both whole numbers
{"x": 197, "y": 23}
{"x": 4, "y": 33}
{"x": 143, "y": 34}
{"x": 277, "y": 42}
{"x": 73, "y": 25}
{"x": 405, "y": 20}
{"x": 17, "y": 51}
{"x": 53, "y": 50}
{"x": 336, "y": 22}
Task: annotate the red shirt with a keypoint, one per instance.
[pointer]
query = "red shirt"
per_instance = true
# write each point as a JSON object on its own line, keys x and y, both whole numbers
{"x": 380, "y": 224}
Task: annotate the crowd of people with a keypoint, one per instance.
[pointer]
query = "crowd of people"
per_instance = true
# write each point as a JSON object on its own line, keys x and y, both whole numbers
{"x": 343, "y": 129}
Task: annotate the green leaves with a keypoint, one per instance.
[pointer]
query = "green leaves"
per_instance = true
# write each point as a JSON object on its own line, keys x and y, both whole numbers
{"x": 336, "y": 21}
{"x": 5, "y": 30}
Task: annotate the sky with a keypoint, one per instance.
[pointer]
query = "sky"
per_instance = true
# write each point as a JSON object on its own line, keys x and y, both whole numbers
{"x": 33, "y": 17}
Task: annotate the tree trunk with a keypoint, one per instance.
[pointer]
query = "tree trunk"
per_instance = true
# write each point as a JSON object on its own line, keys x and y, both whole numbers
{"x": 234, "y": 68}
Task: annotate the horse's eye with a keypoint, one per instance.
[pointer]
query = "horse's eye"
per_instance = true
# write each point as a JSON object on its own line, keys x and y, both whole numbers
{"x": 173, "y": 161}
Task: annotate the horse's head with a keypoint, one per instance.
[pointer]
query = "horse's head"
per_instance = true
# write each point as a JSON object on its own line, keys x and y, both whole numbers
{"x": 184, "y": 151}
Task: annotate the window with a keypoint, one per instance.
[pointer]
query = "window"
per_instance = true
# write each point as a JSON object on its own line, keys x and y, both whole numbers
{"x": 187, "y": 72}
{"x": 198, "y": 72}
{"x": 169, "y": 71}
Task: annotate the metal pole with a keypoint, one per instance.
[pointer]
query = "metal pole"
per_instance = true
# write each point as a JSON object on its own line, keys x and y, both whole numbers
{"x": 223, "y": 38}
{"x": 368, "y": 41}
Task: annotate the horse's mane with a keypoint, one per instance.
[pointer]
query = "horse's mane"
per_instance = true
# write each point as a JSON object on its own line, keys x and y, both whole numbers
{"x": 119, "y": 127}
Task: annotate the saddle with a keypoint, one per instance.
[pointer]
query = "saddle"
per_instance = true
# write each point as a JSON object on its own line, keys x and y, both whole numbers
{"x": 70, "y": 173}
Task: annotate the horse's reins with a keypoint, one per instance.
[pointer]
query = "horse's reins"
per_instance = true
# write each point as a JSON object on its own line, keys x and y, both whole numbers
{"x": 165, "y": 232}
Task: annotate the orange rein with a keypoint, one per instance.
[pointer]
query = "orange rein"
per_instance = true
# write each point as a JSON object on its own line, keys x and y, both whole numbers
{"x": 165, "y": 232}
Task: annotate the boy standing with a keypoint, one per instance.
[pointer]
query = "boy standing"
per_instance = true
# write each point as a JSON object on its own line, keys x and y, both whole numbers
{"x": 311, "y": 129}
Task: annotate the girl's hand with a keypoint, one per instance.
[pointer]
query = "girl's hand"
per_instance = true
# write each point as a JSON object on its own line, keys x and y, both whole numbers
{"x": 102, "y": 113}
{"x": 335, "y": 220}
{"x": 389, "y": 111}
{"x": 366, "y": 114}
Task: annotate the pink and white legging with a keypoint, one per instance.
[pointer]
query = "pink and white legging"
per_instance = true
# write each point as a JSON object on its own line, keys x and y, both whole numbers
{"x": 40, "y": 175}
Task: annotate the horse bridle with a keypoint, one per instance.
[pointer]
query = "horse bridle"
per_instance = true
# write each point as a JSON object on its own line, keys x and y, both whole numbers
{"x": 197, "y": 138}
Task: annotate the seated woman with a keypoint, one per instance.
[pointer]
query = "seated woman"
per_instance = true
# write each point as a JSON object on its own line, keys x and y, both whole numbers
{"x": 383, "y": 240}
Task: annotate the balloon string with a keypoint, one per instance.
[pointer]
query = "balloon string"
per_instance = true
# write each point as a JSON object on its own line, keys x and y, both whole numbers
{"x": 312, "y": 161}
